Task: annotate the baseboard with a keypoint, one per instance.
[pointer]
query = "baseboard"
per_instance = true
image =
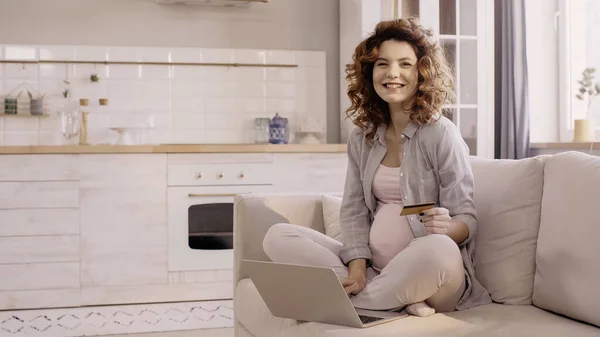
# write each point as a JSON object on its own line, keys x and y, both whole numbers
{"x": 121, "y": 319}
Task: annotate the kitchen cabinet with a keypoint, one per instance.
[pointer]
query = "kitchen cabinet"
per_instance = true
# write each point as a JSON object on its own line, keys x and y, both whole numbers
{"x": 110, "y": 229}
{"x": 39, "y": 231}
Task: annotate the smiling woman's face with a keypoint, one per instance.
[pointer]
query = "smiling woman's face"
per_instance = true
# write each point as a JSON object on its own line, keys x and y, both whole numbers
{"x": 395, "y": 73}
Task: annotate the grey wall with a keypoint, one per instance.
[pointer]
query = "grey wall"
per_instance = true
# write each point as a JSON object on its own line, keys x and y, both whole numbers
{"x": 279, "y": 24}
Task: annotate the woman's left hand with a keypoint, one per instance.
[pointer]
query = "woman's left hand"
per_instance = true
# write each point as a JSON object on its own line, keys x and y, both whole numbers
{"x": 436, "y": 220}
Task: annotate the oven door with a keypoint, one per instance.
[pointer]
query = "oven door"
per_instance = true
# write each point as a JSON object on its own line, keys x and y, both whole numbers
{"x": 201, "y": 226}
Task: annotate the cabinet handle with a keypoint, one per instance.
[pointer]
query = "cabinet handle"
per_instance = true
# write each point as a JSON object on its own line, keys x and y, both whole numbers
{"x": 220, "y": 175}
{"x": 199, "y": 176}
{"x": 242, "y": 175}
{"x": 194, "y": 195}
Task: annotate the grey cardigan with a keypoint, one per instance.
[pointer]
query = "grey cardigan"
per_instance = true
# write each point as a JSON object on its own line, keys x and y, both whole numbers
{"x": 435, "y": 167}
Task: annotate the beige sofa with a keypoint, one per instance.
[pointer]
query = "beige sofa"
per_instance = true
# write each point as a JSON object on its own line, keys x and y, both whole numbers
{"x": 537, "y": 254}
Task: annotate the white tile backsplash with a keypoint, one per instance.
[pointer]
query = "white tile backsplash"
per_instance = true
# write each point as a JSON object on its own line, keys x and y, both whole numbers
{"x": 188, "y": 73}
{"x": 21, "y": 124}
{"x": 51, "y": 123}
{"x": 21, "y": 72}
{"x": 221, "y": 105}
{"x": 185, "y": 89}
{"x": 13, "y": 52}
{"x": 250, "y": 56}
{"x": 186, "y": 55}
{"x": 27, "y": 138}
{"x": 219, "y": 121}
{"x": 125, "y": 71}
{"x": 123, "y": 54}
{"x": 217, "y": 55}
{"x": 52, "y": 70}
{"x": 186, "y": 121}
{"x": 188, "y": 136}
{"x": 281, "y": 74}
{"x": 154, "y": 54}
{"x": 281, "y": 57}
{"x": 91, "y": 53}
{"x": 57, "y": 53}
{"x": 188, "y": 104}
{"x": 155, "y": 72}
{"x": 280, "y": 89}
{"x": 52, "y": 138}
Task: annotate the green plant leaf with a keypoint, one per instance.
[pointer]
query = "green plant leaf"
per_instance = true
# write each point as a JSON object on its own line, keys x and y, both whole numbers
{"x": 582, "y": 90}
{"x": 579, "y": 96}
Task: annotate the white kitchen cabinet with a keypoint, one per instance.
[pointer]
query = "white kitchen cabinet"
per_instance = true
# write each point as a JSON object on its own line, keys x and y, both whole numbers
{"x": 36, "y": 276}
{"x": 42, "y": 167}
{"x": 32, "y": 222}
{"x": 39, "y": 231}
{"x": 39, "y": 249}
{"x": 310, "y": 172}
{"x": 123, "y": 220}
{"x": 39, "y": 194}
{"x": 103, "y": 229}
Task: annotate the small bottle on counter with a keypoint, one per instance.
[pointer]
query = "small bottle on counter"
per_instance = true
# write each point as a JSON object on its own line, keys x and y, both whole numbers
{"x": 261, "y": 130}
{"x": 83, "y": 132}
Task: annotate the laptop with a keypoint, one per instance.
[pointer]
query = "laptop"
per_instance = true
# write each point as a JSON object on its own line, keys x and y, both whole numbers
{"x": 310, "y": 294}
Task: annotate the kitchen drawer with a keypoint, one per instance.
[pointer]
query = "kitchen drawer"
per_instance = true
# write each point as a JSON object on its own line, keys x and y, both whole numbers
{"x": 39, "y": 222}
{"x": 36, "y": 276}
{"x": 39, "y": 249}
{"x": 220, "y": 174}
{"x": 43, "y": 167}
{"x": 40, "y": 194}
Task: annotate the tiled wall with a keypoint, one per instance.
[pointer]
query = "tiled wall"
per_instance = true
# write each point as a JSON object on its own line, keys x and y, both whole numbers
{"x": 187, "y": 104}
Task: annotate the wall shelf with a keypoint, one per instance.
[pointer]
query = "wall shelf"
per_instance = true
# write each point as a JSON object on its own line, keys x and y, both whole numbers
{"x": 24, "y": 115}
{"x": 203, "y": 64}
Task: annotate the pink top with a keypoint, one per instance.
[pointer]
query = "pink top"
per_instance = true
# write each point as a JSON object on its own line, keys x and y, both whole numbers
{"x": 390, "y": 233}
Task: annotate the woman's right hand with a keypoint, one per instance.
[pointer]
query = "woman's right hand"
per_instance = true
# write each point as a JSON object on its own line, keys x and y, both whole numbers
{"x": 357, "y": 277}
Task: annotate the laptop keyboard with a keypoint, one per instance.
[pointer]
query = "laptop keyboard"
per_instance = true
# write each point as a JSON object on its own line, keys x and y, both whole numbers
{"x": 369, "y": 319}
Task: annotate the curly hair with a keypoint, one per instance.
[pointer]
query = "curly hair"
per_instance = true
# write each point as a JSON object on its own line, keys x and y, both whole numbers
{"x": 435, "y": 85}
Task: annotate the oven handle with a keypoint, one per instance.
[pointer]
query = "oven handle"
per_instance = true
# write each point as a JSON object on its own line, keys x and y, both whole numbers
{"x": 194, "y": 195}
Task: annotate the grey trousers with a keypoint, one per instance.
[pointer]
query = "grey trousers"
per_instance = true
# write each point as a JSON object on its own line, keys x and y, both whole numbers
{"x": 430, "y": 269}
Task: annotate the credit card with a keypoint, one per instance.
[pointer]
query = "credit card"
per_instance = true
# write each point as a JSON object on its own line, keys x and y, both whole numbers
{"x": 416, "y": 208}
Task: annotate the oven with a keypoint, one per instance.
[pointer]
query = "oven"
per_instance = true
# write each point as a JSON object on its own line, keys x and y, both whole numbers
{"x": 200, "y": 218}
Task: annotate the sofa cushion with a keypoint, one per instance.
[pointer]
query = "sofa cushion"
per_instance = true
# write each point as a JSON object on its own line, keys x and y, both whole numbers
{"x": 331, "y": 215}
{"x": 508, "y": 195}
{"x": 568, "y": 265}
{"x": 488, "y": 320}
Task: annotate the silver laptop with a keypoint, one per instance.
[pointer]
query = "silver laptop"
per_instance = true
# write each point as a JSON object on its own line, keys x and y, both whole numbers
{"x": 311, "y": 294}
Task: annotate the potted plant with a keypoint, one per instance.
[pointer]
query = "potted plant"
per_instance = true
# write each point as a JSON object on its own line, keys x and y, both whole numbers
{"x": 36, "y": 104}
{"x": 94, "y": 78}
{"x": 588, "y": 89}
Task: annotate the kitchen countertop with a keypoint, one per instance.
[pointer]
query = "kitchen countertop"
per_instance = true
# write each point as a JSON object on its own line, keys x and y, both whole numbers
{"x": 176, "y": 148}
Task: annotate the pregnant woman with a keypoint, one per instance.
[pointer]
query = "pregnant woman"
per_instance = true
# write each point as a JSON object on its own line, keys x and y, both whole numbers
{"x": 402, "y": 151}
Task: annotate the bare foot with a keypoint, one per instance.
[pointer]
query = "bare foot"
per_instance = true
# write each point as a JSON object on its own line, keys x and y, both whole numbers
{"x": 420, "y": 309}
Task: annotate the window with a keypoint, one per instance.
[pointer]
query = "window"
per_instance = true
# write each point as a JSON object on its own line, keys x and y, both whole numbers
{"x": 579, "y": 48}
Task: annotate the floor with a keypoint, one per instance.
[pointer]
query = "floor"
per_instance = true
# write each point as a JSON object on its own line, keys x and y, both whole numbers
{"x": 188, "y": 333}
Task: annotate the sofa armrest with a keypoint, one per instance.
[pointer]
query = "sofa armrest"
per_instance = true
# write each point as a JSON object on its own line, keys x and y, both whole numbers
{"x": 254, "y": 214}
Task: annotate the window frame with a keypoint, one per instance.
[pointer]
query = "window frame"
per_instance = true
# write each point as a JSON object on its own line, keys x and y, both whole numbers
{"x": 565, "y": 71}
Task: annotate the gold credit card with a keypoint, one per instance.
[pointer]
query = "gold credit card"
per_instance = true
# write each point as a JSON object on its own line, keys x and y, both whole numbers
{"x": 416, "y": 208}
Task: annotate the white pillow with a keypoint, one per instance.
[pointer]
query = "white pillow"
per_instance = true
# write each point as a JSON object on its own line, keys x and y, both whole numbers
{"x": 331, "y": 215}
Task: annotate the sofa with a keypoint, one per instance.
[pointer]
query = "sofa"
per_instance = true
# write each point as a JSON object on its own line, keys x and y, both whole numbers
{"x": 536, "y": 254}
